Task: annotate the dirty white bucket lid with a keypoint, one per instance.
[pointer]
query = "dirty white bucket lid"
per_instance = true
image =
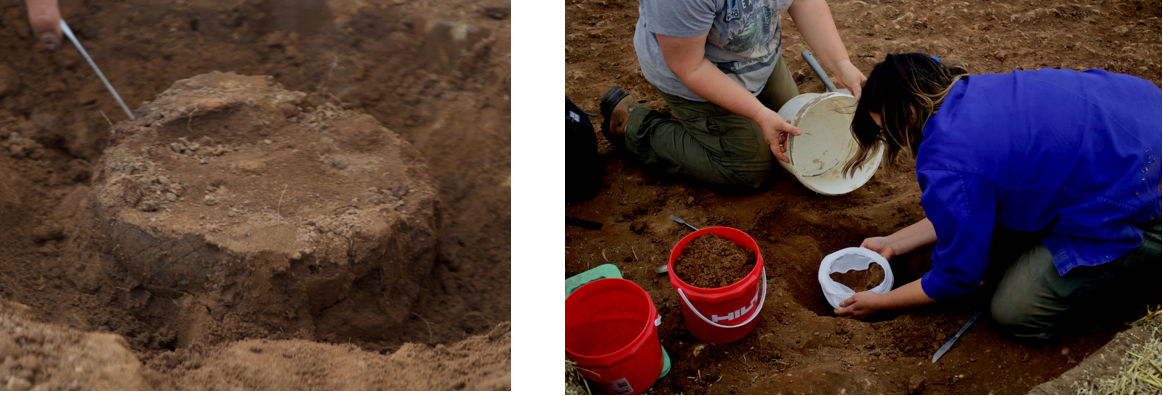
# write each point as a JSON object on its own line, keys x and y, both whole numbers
{"x": 818, "y": 155}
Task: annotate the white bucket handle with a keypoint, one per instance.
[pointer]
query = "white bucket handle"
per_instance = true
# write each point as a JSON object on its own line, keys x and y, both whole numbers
{"x": 753, "y": 316}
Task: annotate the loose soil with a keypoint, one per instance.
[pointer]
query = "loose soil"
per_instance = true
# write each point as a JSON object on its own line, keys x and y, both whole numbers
{"x": 194, "y": 201}
{"x": 427, "y": 82}
{"x": 39, "y": 356}
{"x": 799, "y": 346}
{"x": 860, "y": 280}
{"x": 711, "y": 262}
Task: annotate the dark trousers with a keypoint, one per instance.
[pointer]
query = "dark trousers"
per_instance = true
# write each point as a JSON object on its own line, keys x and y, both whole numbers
{"x": 1033, "y": 302}
{"x": 709, "y": 143}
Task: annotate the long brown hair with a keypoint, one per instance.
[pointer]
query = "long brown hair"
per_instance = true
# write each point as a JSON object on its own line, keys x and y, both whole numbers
{"x": 905, "y": 89}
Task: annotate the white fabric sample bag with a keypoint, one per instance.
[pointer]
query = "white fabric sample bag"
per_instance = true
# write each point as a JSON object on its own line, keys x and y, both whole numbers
{"x": 847, "y": 259}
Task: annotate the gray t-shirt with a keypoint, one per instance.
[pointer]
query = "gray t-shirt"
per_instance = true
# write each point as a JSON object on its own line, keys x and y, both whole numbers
{"x": 743, "y": 38}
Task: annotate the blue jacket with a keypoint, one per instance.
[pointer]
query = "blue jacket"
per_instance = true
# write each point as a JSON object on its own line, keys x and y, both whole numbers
{"x": 1074, "y": 154}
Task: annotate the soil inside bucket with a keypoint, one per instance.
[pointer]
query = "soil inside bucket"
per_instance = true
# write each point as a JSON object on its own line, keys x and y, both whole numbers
{"x": 861, "y": 280}
{"x": 710, "y": 262}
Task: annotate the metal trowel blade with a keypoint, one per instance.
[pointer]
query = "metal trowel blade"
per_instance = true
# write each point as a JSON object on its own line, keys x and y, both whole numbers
{"x": 69, "y": 33}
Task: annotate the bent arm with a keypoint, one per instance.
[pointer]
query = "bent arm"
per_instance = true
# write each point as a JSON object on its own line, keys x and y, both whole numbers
{"x": 814, "y": 20}
{"x": 907, "y": 296}
{"x": 913, "y": 237}
{"x": 685, "y": 58}
{"x": 866, "y": 303}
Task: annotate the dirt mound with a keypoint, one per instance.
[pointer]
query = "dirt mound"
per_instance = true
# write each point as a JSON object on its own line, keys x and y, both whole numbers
{"x": 38, "y": 356}
{"x": 223, "y": 203}
{"x": 479, "y": 363}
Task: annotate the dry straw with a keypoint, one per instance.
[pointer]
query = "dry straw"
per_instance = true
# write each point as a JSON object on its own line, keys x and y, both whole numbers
{"x": 1140, "y": 374}
{"x": 575, "y": 384}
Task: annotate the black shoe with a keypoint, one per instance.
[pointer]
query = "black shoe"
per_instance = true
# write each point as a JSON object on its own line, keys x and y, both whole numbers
{"x": 608, "y": 106}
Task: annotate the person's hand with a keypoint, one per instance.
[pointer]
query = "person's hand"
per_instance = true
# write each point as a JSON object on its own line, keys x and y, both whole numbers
{"x": 859, "y": 306}
{"x": 775, "y": 131}
{"x": 879, "y": 245}
{"x": 45, "y": 18}
{"x": 851, "y": 77}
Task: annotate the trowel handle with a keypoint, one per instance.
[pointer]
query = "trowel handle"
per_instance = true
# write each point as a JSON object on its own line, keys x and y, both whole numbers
{"x": 807, "y": 54}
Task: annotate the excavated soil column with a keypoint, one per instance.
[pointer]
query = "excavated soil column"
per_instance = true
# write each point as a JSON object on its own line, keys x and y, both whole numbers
{"x": 254, "y": 217}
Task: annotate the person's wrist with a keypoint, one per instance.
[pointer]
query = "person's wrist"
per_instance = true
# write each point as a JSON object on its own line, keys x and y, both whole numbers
{"x": 890, "y": 248}
{"x": 762, "y": 115}
{"x": 875, "y": 301}
{"x": 843, "y": 65}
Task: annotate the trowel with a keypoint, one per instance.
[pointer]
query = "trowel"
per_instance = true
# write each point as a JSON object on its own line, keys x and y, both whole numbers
{"x": 662, "y": 269}
{"x": 69, "y": 33}
{"x": 949, "y": 344}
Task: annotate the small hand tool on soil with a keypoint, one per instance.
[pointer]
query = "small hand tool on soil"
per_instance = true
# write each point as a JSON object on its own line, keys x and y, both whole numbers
{"x": 576, "y": 222}
{"x": 662, "y": 269}
{"x": 683, "y": 222}
{"x": 949, "y": 344}
{"x": 69, "y": 33}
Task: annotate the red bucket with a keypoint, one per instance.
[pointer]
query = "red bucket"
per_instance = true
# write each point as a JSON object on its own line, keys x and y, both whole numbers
{"x": 611, "y": 333}
{"x": 725, "y": 314}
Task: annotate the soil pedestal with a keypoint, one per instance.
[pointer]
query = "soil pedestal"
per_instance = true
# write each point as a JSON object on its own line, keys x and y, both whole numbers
{"x": 253, "y": 217}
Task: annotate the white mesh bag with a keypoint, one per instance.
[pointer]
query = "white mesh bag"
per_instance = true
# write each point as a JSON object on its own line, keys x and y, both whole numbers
{"x": 847, "y": 259}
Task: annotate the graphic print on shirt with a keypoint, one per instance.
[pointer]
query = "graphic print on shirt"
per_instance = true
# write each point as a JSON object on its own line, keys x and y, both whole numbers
{"x": 748, "y": 29}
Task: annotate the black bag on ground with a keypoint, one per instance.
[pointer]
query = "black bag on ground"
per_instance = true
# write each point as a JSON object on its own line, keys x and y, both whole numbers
{"x": 583, "y": 171}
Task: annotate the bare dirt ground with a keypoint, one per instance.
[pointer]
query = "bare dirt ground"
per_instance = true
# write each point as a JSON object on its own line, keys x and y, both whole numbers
{"x": 434, "y": 73}
{"x": 798, "y": 345}
{"x": 40, "y": 356}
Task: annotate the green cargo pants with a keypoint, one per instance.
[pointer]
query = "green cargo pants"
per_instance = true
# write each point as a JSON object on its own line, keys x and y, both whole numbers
{"x": 708, "y": 143}
{"x": 1033, "y": 302}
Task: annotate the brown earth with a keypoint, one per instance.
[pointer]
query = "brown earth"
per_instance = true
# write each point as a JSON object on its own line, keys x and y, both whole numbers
{"x": 437, "y": 75}
{"x": 194, "y": 202}
{"x": 39, "y": 356}
{"x": 711, "y": 262}
{"x": 799, "y": 346}
{"x": 860, "y": 280}
{"x": 1103, "y": 364}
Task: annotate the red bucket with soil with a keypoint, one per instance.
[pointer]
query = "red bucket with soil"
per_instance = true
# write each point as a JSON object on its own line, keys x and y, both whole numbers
{"x": 724, "y": 310}
{"x": 611, "y": 332}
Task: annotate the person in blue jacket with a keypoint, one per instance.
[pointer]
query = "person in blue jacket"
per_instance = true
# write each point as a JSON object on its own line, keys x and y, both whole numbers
{"x": 1071, "y": 157}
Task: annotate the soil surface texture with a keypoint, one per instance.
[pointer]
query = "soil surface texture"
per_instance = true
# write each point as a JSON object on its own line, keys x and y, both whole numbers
{"x": 39, "y": 356}
{"x": 1105, "y": 363}
{"x": 191, "y": 202}
{"x": 799, "y": 345}
{"x": 711, "y": 262}
{"x": 335, "y": 180}
{"x": 860, "y": 280}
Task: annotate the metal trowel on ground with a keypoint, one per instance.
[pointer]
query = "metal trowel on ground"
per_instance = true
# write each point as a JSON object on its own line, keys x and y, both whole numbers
{"x": 949, "y": 344}
{"x": 662, "y": 269}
